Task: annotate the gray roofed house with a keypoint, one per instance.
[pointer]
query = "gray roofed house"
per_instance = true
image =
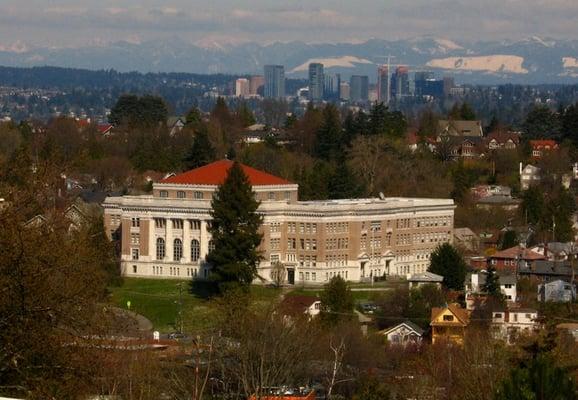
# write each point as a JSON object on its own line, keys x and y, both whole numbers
{"x": 547, "y": 270}
{"x": 555, "y": 251}
{"x": 475, "y": 286}
{"x": 506, "y": 202}
{"x": 466, "y": 239}
{"x": 460, "y": 128}
{"x": 425, "y": 278}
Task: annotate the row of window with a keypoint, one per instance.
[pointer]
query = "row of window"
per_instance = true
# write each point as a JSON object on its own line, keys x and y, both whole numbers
{"x": 336, "y": 243}
{"x": 182, "y": 194}
{"x": 173, "y": 271}
{"x": 178, "y": 224}
{"x": 304, "y": 244}
{"x": 178, "y": 249}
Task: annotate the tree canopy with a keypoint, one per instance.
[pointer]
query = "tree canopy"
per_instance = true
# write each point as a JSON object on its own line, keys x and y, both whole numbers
{"x": 448, "y": 262}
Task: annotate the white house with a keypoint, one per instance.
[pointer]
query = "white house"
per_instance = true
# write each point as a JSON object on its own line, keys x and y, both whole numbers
{"x": 529, "y": 175}
{"x": 557, "y": 291}
{"x": 476, "y": 281}
{"x": 509, "y": 324}
{"x": 295, "y": 306}
{"x": 403, "y": 334}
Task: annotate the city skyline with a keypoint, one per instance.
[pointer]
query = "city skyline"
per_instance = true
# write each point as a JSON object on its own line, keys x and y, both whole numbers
{"x": 62, "y": 23}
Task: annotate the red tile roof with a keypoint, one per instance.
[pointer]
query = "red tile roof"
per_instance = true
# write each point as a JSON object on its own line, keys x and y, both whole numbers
{"x": 216, "y": 172}
{"x": 538, "y": 144}
{"x": 516, "y": 251}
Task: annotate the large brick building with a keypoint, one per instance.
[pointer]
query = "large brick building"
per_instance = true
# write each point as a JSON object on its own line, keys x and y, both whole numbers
{"x": 166, "y": 234}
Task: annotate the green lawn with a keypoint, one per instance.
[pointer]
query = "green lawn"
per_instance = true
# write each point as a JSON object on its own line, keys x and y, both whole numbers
{"x": 158, "y": 300}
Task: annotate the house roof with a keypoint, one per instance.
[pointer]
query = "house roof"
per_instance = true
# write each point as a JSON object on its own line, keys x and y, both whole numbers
{"x": 517, "y": 251}
{"x": 460, "y": 128}
{"x": 295, "y": 305}
{"x": 538, "y": 144}
{"x": 503, "y": 137}
{"x": 426, "y": 277}
{"x": 216, "y": 173}
{"x": 499, "y": 199}
{"x": 464, "y": 233}
{"x": 460, "y": 313}
{"x": 503, "y": 279}
{"x": 547, "y": 268}
{"x": 410, "y": 325}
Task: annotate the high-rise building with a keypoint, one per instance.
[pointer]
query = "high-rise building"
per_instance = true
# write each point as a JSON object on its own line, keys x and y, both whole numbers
{"x": 344, "y": 91}
{"x": 256, "y": 84}
{"x": 316, "y": 82}
{"x": 449, "y": 84}
{"x": 242, "y": 87}
{"x": 332, "y": 87}
{"x": 359, "y": 88}
{"x": 421, "y": 79}
{"x": 383, "y": 84}
{"x": 400, "y": 82}
{"x": 274, "y": 81}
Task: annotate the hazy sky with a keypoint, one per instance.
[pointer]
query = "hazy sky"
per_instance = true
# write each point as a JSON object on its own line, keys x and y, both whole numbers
{"x": 80, "y": 22}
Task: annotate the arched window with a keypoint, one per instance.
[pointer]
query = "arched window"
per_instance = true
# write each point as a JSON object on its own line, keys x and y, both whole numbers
{"x": 160, "y": 249}
{"x": 195, "y": 250}
{"x": 177, "y": 250}
{"x": 211, "y": 245}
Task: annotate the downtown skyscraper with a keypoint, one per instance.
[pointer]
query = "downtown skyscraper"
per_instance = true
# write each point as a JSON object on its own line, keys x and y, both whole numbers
{"x": 316, "y": 81}
{"x": 383, "y": 89}
{"x": 274, "y": 81}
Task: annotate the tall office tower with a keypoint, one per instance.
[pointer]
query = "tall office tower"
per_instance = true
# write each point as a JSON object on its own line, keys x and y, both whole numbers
{"x": 242, "y": 87}
{"x": 421, "y": 79}
{"x": 274, "y": 81}
{"x": 383, "y": 84}
{"x": 332, "y": 86}
{"x": 344, "y": 91}
{"x": 316, "y": 82}
{"x": 359, "y": 88}
{"x": 449, "y": 84}
{"x": 256, "y": 84}
{"x": 400, "y": 82}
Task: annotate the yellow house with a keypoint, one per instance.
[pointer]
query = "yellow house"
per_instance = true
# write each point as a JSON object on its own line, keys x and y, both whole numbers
{"x": 449, "y": 323}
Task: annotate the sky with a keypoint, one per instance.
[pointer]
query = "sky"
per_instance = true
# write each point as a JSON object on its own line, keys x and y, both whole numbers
{"x": 67, "y": 23}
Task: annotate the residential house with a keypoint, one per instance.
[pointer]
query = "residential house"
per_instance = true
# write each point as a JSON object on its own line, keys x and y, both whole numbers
{"x": 507, "y": 203}
{"x": 555, "y": 251}
{"x": 502, "y": 141}
{"x": 296, "y": 306}
{"x": 475, "y": 285}
{"x": 460, "y": 128}
{"x": 483, "y": 191}
{"x": 529, "y": 175}
{"x": 425, "y": 278}
{"x": 546, "y": 271}
{"x": 105, "y": 129}
{"x": 541, "y": 147}
{"x": 406, "y": 333}
{"x": 466, "y": 239}
{"x": 449, "y": 323}
{"x": 557, "y": 291}
{"x": 508, "y": 324}
{"x": 513, "y": 258}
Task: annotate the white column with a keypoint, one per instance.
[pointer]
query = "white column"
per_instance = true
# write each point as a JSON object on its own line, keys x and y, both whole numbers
{"x": 187, "y": 240}
{"x": 169, "y": 240}
{"x": 152, "y": 242}
{"x": 204, "y": 240}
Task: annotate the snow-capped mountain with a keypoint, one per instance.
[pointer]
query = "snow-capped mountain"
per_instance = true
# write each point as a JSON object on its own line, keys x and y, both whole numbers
{"x": 532, "y": 60}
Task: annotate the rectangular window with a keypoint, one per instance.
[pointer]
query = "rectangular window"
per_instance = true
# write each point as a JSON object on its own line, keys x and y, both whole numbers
{"x": 195, "y": 225}
{"x": 134, "y": 269}
{"x": 134, "y": 238}
{"x": 198, "y": 195}
{"x": 135, "y": 254}
{"x": 287, "y": 195}
{"x": 163, "y": 193}
{"x": 313, "y": 276}
{"x": 274, "y": 258}
{"x": 177, "y": 224}
{"x": 181, "y": 194}
{"x": 271, "y": 195}
{"x": 136, "y": 222}
{"x": 448, "y": 317}
{"x": 160, "y": 223}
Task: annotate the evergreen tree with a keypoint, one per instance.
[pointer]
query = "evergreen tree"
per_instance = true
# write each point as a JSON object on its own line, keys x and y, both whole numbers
{"x": 538, "y": 379}
{"x": 328, "y": 138}
{"x": 508, "y": 240}
{"x": 343, "y": 183}
{"x": 336, "y": 301}
{"x": 221, "y": 113}
{"x": 378, "y": 119}
{"x": 467, "y": 113}
{"x": 201, "y": 152}
{"x": 194, "y": 118}
{"x": 448, "y": 262}
{"x": 492, "y": 284}
{"x": 532, "y": 206}
{"x": 540, "y": 123}
{"x": 235, "y": 232}
{"x": 245, "y": 115}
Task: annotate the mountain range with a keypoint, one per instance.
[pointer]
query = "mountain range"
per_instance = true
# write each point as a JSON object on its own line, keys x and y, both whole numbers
{"x": 530, "y": 61}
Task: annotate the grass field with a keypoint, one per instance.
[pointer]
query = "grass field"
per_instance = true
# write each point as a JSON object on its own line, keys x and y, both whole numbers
{"x": 158, "y": 300}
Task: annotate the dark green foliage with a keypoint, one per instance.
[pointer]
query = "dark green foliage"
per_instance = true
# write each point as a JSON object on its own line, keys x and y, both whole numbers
{"x": 328, "y": 138}
{"x": 532, "y": 205}
{"x": 467, "y": 113}
{"x": 201, "y": 152}
{"x": 448, "y": 262}
{"x": 508, "y": 240}
{"x": 385, "y": 122}
{"x": 336, "y": 302}
{"x": 234, "y": 230}
{"x": 139, "y": 111}
{"x": 343, "y": 184}
{"x": 371, "y": 388}
{"x": 245, "y": 115}
{"x": 428, "y": 123}
{"x": 194, "y": 118}
{"x": 538, "y": 379}
{"x": 221, "y": 113}
{"x": 570, "y": 123}
{"x": 540, "y": 123}
{"x": 492, "y": 284}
